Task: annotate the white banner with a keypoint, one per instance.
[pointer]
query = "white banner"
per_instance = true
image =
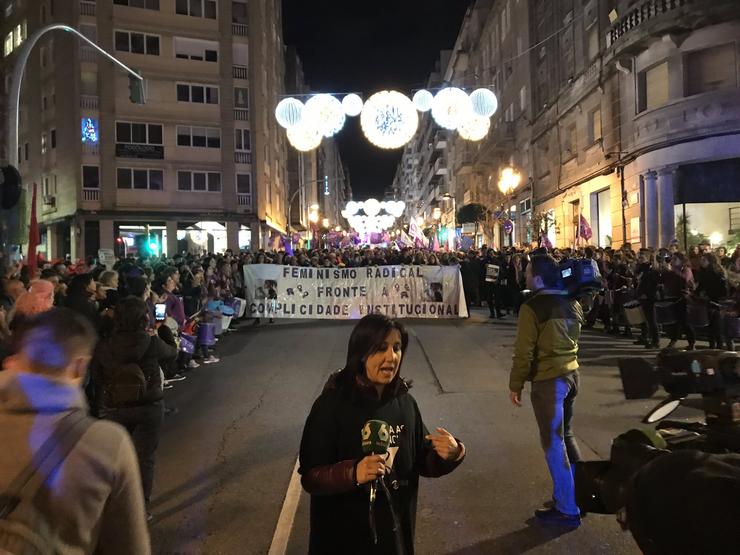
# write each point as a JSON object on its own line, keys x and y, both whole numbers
{"x": 350, "y": 293}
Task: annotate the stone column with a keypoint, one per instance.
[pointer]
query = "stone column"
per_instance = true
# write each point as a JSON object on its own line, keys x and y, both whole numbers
{"x": 52, "y": 247}
{"x": 650, "y": 212}
{"x": 107, "y": 238}
{"x": 255, "y": 242}
{"x": 76, "y": 239}
{"x": 171, "y": 238}
{"x": 666, "y": 205}
{"x": 232, "y": 236}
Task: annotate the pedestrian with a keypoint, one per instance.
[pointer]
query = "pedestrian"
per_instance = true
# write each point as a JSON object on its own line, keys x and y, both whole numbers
{"x": 546, "y": 352}
{"x": 334, "y": 469}
{"x": 93, "y": 501}
{"x": 80, "y": 298}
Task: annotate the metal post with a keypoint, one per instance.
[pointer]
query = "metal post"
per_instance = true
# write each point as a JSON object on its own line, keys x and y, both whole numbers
{"x": 19, "y": 68}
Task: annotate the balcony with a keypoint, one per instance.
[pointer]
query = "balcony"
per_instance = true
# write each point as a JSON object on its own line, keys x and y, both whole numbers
{"x": 239, "y": 72}
{"x": 241, "y": 114}
{"x": 91, "y": 195}
{"x": 89, "y": 102}
{"x": 244, "y": 200}
{"x": 440, "y": 167}
{"x": 242, "y": 157}
{"x": 87, "y": 8}
{"x": 91, "y": 149}
{"x": 239, "y": 29}
{"x": 440, "y": 140}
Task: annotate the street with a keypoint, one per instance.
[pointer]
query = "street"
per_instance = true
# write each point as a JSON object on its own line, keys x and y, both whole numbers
{"x": 227, "y": 456}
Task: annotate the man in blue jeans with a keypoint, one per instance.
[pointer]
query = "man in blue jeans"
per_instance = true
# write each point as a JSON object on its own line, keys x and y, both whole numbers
{"x": 546, "y": 353}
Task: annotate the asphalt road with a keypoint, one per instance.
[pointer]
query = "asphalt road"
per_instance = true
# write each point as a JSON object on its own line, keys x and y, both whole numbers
{"x": 226, "y": 458}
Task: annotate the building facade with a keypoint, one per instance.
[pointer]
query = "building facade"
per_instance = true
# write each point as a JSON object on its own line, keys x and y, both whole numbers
{"x": 199, "y": 166}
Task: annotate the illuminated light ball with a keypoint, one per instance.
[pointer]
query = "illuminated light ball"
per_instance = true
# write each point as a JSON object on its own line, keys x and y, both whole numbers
{"x": 289, "y": 112}
{"x": 352, "y": 105}
{"x": 371, "y": 207}
{"x": 352, "y": 208}
{"x": 304, "y": 136}
{"x": 395, "y": 208}
{"x": 326, "y": 112}
{"x": 474, "y": 128}
{"x": 450, "y": 107}
{"x": 389, "y": 119}
{"x": 484, "y": 102}
{"x": 423, "y": 100}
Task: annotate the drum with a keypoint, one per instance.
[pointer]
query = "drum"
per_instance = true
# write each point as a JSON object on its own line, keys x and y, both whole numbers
{"x": 665, "y": 312}
{"x": 623, "y": 296}
{"x": 697, "y": 313}
{"x": 187, "y": 343}
{"x": 207, "y": 333}
{"x": 218, "y": 323}
{"x": 634, "y": 314}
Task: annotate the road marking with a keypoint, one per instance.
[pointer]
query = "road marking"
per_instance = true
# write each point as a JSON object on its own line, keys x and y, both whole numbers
{"x": 279, "y": 544}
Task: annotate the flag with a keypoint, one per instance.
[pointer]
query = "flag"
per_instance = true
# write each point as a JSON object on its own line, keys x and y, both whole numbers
{"x": 435, "y": 243}
{"x": 584, "y": 230}
{"x": 416, "y": 233}
{"x": 33, "y": 236}
{"x": 288, "y": 243}
{"x": 545, "y": 241}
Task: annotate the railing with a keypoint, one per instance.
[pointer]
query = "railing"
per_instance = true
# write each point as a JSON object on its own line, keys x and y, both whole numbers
{"x": 440, "y": 166}
{"x": 239, "y": 72}
{"x": 240, "y": 114}
{"x": 239, "y": 29}
{"x": 91, "y": 149}
{"x": 88, "y": 54}
{"x": 87, "y": 8}
{"x": 244, "y": 200}
{"x": 88, "y": 102}
{"x": 242, "y": 157}
{"x": 91, "y": 195}
{"x": 644, "y": 11}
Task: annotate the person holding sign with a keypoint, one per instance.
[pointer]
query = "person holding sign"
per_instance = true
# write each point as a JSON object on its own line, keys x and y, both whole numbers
{"x": 365, "y": 436}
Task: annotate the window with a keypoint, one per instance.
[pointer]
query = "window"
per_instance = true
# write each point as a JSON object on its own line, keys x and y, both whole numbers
{"x": 509, "y": 114}
{"x": 49, "y": 186}
{"x": 571, "y": 141}
{"x": 242, "y": 140}
{"x": 241, "y": 98}
{"x": 523, "y": 98}
{"x": 194, "y": 49}
{"x": 652, "y": 87}
{"x": 135, "y": 178}
{"x": 137, "y": 43}
{"x": 44, "y": 103}
{"x": 196, "y": 8}
{"x": 138, "y": 133}
{"x": 53, "y": 134}
{"x": 90, "y": 177}
{"x": 711, "y": 69}
{"x": 244, "y": 183}
{"x": 44, "y": 55}
{"x": 592, "y": 36}
{"x": 148, "y": 4}
{"x": 239, "y": 11}
{"x": 8, "y": 46}
{"x": 594, "y": 126}
{"x": 525, "y": 206}
{"x": 44, "y": 143}
{"x": 200, "y": 94}
{"x": 25, "y": 152}
{"x": 204, "y": 137}
{"x": 89, "y": 83}
{"x": 199, "y": 181}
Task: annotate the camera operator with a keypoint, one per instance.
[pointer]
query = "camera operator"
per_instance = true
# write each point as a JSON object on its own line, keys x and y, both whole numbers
{"x": 546, "y": 352}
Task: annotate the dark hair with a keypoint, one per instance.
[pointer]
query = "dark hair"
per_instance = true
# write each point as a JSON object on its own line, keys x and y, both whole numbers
{"x": 366, "y": 338}
{"x": 52, "y": 338}
{"x": 547, "y": 269}
{"x": 137, "y": 286}
{"x": 132, "y": 314}
{"x": 78, "y": 285}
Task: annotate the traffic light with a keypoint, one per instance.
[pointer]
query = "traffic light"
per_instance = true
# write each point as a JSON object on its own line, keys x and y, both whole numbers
{"x": 136, "y": 89}
{"x": 153, "y": 245}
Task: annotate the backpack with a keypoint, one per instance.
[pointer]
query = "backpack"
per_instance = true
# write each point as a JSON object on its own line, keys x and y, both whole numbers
{"x": 124, "y": 385}
{"x": 24, "y": 530}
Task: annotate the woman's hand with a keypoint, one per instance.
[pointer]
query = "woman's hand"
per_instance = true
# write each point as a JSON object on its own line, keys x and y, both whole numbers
{"x": 370, "y": 468}
{"x": 445, "y": 445}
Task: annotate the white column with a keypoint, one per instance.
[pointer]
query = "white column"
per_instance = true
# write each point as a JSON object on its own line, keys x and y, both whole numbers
{"x": 232, "y": 236}
{"x": 75, "y": 239}
{"x": 666, "y": 204}
{"x": 650, "y": 212}
{"x": 256, "y": 236}
{"x": 107, "y": 239}
{"x": 171, "y": 238}
{"x": 52, "y": 247}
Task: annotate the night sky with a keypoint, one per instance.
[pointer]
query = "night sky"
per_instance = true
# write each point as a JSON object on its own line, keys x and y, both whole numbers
{"x": 366, "y": 46}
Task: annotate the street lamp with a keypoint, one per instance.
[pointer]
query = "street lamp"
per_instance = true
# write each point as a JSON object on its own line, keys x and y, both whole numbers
{"x": 325, "y": 222}
{"x": 509, "y": 180}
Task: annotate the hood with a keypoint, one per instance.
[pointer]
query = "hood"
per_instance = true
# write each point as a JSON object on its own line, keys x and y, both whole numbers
{"x": 123, "y": 347}
{"x": 26, "y": 392}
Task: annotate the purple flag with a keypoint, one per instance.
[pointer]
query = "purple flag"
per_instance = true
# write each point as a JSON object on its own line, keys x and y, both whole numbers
{"x": 584, "y": 230}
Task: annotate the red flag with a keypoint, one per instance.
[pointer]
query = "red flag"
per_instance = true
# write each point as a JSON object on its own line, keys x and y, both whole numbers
{"x": 33, "y": 236}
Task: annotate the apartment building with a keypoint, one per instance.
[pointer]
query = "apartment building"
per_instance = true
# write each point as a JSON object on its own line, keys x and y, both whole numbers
{"x": 199, "y": 166}
{"x": 333, "y": 187}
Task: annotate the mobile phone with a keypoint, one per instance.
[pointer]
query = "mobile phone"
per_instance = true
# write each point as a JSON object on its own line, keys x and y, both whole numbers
{"x": 160, "y": 312}
{"x": 568, "y": 272}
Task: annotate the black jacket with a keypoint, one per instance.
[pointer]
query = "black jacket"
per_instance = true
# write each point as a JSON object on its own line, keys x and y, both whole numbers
{"x": 711, "y": 283}
{"x": 331, "y": 448}
{"x": 137, "y": 347}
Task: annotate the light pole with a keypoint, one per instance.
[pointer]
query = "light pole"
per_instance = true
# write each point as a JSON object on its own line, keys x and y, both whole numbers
{"x": 507, "y": 183}
{"x": 448, "y": 196}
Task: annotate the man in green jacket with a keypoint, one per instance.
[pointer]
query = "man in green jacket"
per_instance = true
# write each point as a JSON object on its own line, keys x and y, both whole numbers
{"x": 546, "y": 352}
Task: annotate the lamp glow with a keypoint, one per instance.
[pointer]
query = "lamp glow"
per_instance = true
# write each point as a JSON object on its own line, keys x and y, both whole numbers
{"x": 509, "y": 180}
{"x": 289, "y": 112}
{"x": 475, "y": 128}
{"x": 352, "y": 105}
{"x": 326, "y": 113}
{"x": 484, "y": 102}
{"x": 371, "y": 207}
{"x": 450, "y": 107}
{"x": 423, "y": 100}
{"x": 304, "y": 136}
{"x": 389, "y": 119}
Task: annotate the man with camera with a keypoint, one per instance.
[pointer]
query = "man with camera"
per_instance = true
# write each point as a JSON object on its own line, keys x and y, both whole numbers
{"x": 546, "y": 352}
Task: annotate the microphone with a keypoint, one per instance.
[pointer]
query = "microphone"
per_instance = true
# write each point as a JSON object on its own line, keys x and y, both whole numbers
{"x": 376, "y": 437}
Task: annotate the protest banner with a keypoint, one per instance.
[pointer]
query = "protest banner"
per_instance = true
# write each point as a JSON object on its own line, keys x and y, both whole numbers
{"x": 350, "y": 293}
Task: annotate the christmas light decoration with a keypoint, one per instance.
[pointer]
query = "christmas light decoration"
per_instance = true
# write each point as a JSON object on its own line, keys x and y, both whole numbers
{"x": 389, "y": 119}
{"x": 484, "y": 102}
{"x": 90, "y": 132}
{"x": 475, "y": 128}
{"x": 352, "y": 105}
{"x": 326, "y": 113}
{"x": 423, "y": 100}
{"x": 450, "y": 107}
{"x": 289, "y": 112}
{"x": 372, "y": 220}
{"x": 304, "y": 136}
